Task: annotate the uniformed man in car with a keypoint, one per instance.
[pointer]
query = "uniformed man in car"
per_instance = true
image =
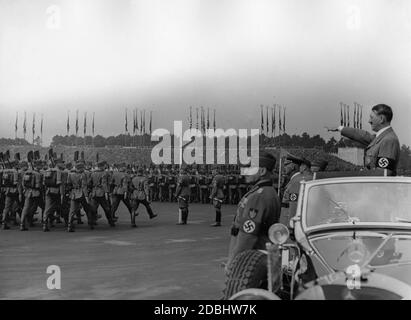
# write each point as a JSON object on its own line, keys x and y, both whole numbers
{"x": 290, "y": 169}
{"x": 291, "y": 193}
{"x": 257, "y": 210}
{"x": 382, "y": 149}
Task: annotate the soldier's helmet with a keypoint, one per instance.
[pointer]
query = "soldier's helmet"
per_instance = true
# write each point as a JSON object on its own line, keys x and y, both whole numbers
{"x": 296, "y": 160}
{"x": 319, "y": 165}
{"x": 101, "y": 164}
{"x": 88, "y": 165}
{"x": 38, "y": 164}
{"x": 80, "y": 165}
{"x": 59, "y": 164}
{"x": 23, "y": 165}
{"x": 265, "y": 160}
{"x": 14, "y": 164}
{"x": 122, "y": 167}
{"x": 306, "y": 162}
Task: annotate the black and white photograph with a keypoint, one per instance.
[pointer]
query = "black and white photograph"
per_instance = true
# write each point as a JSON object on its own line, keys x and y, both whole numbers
{"x": 192, "y": 151}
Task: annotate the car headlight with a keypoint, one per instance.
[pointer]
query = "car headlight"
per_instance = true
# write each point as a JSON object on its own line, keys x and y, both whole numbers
{"x": 357, "y": 252}
{"x": 278, "y": 233}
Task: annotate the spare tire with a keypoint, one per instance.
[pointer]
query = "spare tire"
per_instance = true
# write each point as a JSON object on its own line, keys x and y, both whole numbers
{"x": 249, "y": 270}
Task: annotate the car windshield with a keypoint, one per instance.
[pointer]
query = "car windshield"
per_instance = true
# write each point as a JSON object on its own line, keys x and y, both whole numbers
{"x": 341, "y": 251}
{"x": 354, "y": 202}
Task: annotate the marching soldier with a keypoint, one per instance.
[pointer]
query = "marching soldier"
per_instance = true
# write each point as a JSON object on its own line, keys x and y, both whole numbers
{"x": 100, "y": 187}
{"x": 17, "y": 206}
{"x": 257, "y": 210}
{"x": 65, "y": 204}
{"x": 54, "y": 183}
{"x": 13, "y": 192}
{"x": 67, "y": 201}
{"x": 290, "y": 197}
{"x": 77, "y": 183}
{"x": 32, "y": 189}
{"x": 217, "y": 196}
{"x": 183, "y": 196}
{"x": 120, "y": 181}
{"x": 140, "y": 192}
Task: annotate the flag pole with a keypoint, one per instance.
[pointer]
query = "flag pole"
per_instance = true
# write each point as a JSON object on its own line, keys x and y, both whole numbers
{"x": 34, "y": 125}
{"x": 85, "y": 127}
{"x": 15, "y": 127}
{"x": 92, "y": 141}
{"x": 41, "y": 130}
{"x": 25, "y": 125}
{"x": 77, "y": 128}
{"x": 125, "y": 128}
{"x": 279, "y": 173}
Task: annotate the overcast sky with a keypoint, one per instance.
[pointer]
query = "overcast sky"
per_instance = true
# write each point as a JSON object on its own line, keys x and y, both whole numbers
{"x": 104, "y": 56}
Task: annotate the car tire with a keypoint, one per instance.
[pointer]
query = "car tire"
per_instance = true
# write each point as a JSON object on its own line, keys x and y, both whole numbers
{"x": 249, "y": 270}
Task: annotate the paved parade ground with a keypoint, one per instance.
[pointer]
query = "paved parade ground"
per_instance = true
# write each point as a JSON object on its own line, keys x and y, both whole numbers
{"x": 156, "y": 260}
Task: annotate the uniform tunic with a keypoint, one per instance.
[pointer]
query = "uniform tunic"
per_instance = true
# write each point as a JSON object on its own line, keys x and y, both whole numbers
{"x": 217, "y": 192}
{"x": 78, "y": 184}
{"x": 256, "y": 212}
{"x": 140, "y": 191}
{"x": 183, "y": 191}
{"x": 11, "y": 188}
{"x": 380, "y": 152}
{"x": 32, "y": 186}
{"x": 100, "y": 186}
{"x": 291, "y": 195}
{"x": 54, "y": 185}
{"x": 120, "y": 181}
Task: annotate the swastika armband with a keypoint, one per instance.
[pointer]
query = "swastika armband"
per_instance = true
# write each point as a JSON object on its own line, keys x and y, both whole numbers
{"x": 249, "y": 226}
{"x": 385, "y": 163}
{"x": 293, "y": 197}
